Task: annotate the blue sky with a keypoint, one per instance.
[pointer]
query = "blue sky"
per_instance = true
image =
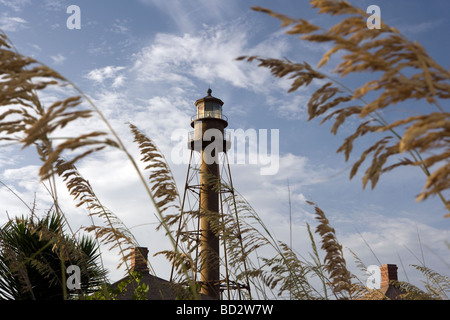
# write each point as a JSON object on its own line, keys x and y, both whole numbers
{"x": 147, "y": 61}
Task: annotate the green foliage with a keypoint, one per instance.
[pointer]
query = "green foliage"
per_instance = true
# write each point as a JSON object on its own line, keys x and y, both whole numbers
{"x": 107, "y": 292}
{"x": 35, "y": 254}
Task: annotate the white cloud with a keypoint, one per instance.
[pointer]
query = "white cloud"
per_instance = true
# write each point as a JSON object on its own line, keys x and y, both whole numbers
{"x": 109, "y": 72}
{"x": 25, "y": 191}
{"x": 119, "y": 81}
{"x": 292, "y": 107}
{"x": 380, "y": 239}
{"x": 11, "y": 24}
{"x": 186, "y": 13}
{"x": 26, "y": 176}
{"x": 36, "y": 48}
{"x": 8, "y": 156}
{"x": 121, "y": 26}
{"x": 208, "y": 56}
{"x": 58, "y": 59}
{"x": 55, "y": 5}
{"x": 16, "y": 5}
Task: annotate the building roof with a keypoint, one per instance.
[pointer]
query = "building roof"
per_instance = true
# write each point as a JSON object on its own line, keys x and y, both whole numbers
{"x": 209, "y": 98}
{"x": 159, "y": 289}
{"x": 389, "y": 292}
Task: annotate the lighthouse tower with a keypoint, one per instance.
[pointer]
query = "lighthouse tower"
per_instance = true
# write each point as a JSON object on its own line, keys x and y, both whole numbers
{"x": 209, "y": 121}
{"x": 209, "y": 143}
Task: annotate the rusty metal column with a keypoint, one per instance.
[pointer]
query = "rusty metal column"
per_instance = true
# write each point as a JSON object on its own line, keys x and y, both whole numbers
{"x": 209, "y": 208}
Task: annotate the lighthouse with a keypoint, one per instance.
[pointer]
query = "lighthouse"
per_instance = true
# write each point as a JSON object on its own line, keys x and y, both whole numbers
{"x": 209, "y": 125}
{"x": 207, "y": 197}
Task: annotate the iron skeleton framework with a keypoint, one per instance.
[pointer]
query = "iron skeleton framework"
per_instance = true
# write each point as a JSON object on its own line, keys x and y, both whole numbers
{"x": 209, "y": 228}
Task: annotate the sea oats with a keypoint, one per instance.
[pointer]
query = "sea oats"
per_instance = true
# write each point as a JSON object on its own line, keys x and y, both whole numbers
{"x": 405, "y": 72}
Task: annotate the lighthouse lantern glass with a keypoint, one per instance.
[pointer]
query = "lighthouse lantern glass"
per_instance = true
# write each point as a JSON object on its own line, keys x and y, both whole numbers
{"x": 209, "y": 110}
{"x": 200, "y": 111}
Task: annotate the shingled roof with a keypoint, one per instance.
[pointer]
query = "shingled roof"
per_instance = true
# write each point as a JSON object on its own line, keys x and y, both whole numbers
{"x": 159, "y": 289}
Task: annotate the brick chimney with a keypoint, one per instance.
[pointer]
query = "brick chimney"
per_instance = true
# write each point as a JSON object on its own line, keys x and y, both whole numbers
{"x": 139, "y": 259}
{"x": 388, "y": 273}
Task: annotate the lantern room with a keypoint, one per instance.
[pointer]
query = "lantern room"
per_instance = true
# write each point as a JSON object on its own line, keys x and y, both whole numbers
{"x": 209, "y": 107}
{"x": 210, "y": 120}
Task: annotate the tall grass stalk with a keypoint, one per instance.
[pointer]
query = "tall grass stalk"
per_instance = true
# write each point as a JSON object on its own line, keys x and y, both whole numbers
{"x": 406, "y": 72}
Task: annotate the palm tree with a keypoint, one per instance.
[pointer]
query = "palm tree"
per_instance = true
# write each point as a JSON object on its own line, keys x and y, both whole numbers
{"x": 34, "y": 256}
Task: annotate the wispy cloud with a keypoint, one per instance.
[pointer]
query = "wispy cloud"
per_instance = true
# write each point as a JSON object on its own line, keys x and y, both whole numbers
{"x": 378, "y": 239}
{"x": 292, "y": 107}
{"x": 207, "y": 55}
{"x": 16, "y": 5}
{"x": 12, "y": 24}
{"x": 109, "y": 72}
{"x": 55, "y": 5}
{"x": 416, "y": 28}
{"x": 121, "y": 27}
{"x": 186, "y": 14}
{"x": 58, "y": 59}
